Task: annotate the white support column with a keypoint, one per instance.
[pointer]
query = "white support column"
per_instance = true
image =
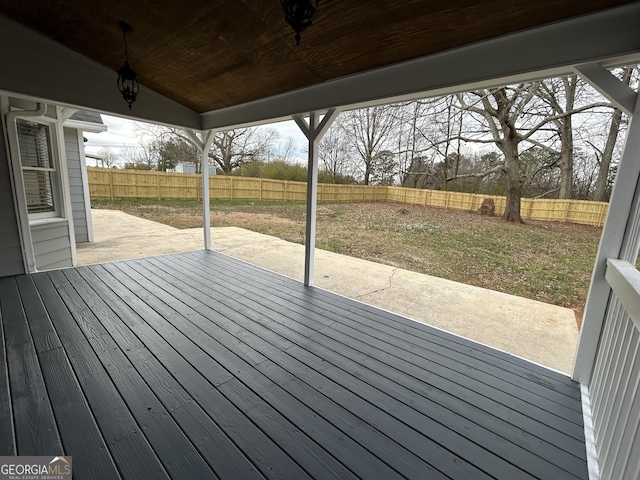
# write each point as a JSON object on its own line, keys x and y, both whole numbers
{"x": 605, "y": 82}
{"x": 314, "y": 131}
{"x": 203, "y": 144}
{"x": 207, "y": 139}
{"x": 65, "y": 192}
{"x": 623, "y": 209}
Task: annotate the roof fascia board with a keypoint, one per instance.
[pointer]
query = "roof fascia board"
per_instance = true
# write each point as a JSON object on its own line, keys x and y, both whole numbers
{"x": 543, "y": 52}
{"x": 41, "y": 68}
{"x": 85, "y": 126}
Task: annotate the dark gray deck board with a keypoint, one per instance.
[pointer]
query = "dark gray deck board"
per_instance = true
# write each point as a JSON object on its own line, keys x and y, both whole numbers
{"x": 7, "y": 432}
{"x": 563, "y": 415}
{"x": 163, "y": 320}
{"x": 362, "y": 401}
{"x": 179, "y": 457}
{"x": 35, "y": 426}
{"x": 272, "y": 424}
{"x": 520, "y": 443}
{"x": 128, "y": 446}
{"x": 351, "y": 451}
{"x": 78, "y": 430}
{"x": 197, "y": 365}
{"x": 433, "y": 363}
{"x": 556, "y": 387}
{"x": 525, "y": 374}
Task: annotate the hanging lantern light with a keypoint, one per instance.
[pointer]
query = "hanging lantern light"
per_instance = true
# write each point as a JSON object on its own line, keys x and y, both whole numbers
{"x": 298, "y": 14}
{"x": 127, "y": 78}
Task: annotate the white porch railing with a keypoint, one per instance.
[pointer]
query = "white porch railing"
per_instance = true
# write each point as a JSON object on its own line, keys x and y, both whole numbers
{"x": 615, "y": 403}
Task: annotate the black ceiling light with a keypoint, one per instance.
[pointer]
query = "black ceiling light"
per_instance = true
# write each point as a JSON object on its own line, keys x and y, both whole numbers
{"x": 298, "y": 14}
{"x": 127, "y": 78}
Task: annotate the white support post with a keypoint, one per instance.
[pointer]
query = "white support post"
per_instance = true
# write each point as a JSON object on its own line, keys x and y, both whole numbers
{"x": 85, "y": 186}
{"x": 621, "y": 95}
{"x": 203, "y": 144}
{"x": 623, "y": 208}
{"x": 314, "y": 131}
{"x": 65, "y": 192}
{"x": 207, "y": 139}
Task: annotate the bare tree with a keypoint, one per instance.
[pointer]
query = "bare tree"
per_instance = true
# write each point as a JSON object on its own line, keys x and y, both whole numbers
{"x": 233, "y": 148}
{"x": 606, "y": 154}
{"x": 285, "y": 150}
{"x": 560, "y": 95}
{"x": 229, "y": 150}
{"x": 107, "y": 157}
{"x": 502, "y": 109}
{"x": 335, "y": 153}
{"x": 515, "y": 116}
{"x": 129, "y": 155}
{"x": 369, "y": 130}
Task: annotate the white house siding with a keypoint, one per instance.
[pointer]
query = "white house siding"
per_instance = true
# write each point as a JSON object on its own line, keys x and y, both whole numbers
{"x": 11, "y": 262}
{"x": 76, "y": 190}
{"x": 51, "y": 245}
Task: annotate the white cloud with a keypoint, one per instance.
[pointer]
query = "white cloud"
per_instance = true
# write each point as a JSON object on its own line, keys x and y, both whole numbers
{"x": 122, "y": 133}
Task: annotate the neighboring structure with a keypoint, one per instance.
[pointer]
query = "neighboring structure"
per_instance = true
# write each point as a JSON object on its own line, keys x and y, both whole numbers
{"x": 49, "y": 183}
{"x": 191, "y": 168}
{"x": 185, "y": 168}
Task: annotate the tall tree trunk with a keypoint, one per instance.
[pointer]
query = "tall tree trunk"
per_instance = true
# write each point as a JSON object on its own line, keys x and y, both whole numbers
{"x": 514, "y": 181}
{"x": 509, "y": 147}
{"x": 566, "y": 158}
{"x": 566, "y": 137}
{"x": 607, "y": 155}
{"x": 367, "y": 170}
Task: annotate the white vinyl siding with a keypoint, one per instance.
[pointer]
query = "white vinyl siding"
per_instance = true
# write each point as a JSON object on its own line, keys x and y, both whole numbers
{"x": 51, "y": 245}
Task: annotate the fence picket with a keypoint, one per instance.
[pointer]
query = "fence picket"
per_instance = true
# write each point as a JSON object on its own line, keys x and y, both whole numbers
{"x": 142, "y": 184}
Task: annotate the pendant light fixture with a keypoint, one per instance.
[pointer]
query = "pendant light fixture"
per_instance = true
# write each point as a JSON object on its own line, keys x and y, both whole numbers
{"x": 127, "y": 78}
{"x": 298, "y": 14}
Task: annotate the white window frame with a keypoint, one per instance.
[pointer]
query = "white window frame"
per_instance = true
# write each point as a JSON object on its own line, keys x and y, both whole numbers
{"x": 54, "y": 171}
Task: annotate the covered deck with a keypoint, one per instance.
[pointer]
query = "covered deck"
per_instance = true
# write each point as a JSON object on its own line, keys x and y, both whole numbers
{"x": 197, "y": 365}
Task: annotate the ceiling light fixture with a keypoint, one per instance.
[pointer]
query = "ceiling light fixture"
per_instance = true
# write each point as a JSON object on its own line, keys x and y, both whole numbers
{"x": 127, "y": 78}
{"x": 298, "y": 14}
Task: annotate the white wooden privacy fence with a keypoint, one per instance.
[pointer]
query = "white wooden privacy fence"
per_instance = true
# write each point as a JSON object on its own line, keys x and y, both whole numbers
{"x": 114, "y": 183}
{"x": 615, "y": 403}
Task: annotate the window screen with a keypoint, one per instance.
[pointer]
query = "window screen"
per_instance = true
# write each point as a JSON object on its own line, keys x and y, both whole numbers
{"x": 34, "y": 140}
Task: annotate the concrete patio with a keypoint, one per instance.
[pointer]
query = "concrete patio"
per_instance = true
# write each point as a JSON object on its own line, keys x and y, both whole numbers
{"x": 539, "y": 332}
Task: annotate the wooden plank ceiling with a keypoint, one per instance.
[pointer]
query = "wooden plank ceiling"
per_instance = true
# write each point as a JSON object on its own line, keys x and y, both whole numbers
{"x": 208, "y": 55}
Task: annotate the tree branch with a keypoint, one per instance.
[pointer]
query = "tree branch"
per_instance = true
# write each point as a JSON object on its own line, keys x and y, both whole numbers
{"x": 496, "y": 169}
{"x": 547, "y": 193}
{"x": 551, "y": 118}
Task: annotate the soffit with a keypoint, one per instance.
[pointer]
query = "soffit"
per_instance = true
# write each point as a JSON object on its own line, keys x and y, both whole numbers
{"x": 209, "y": 55}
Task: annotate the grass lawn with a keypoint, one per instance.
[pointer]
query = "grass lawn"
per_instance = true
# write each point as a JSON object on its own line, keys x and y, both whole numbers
{"x": 545, "y": 261}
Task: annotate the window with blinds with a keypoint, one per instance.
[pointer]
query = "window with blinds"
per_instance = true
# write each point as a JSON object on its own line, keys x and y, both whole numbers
{"x": 36, "y": 158}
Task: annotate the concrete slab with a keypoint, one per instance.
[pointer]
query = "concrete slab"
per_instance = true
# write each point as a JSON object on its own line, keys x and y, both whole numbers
{"x": 537, "y": 331}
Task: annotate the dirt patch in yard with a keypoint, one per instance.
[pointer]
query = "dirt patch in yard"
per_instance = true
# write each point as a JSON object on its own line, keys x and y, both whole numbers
{"x": 550, "y": 262}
